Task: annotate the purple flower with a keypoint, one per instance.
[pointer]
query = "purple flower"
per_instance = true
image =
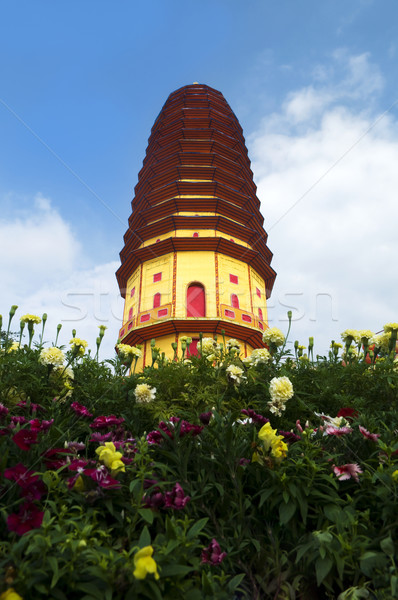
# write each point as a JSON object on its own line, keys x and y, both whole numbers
{"x": 255, "y": 416}
{"x": 100, "y": 437}
{"x": 176, "y": 498}
{"x": 290, "y": 436}
{"x": 212, "y": 554}
{"x": 18, "y": 420}
{"x": 29, "y": 517}
{"x": 75, "y": 446}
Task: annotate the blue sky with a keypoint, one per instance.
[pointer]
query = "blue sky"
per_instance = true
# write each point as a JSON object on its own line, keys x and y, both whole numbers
{"x": 313, "y": 85}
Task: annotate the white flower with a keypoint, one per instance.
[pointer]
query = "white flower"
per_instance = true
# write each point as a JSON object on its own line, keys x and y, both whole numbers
{"x": 144, "y": 393}
{"x": 350, "y": 335}
{"x": 260, "y": 355}
{"x": 281, "y": 388}
{"x": 209, "y": 346}
{"x": 233, "y": 344}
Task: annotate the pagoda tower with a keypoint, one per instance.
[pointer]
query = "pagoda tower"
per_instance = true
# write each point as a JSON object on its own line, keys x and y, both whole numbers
{"x": 195, "y": 257}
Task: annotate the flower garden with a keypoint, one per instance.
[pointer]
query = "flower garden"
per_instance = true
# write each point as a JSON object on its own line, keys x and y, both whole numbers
{"x": 274, "y": 476}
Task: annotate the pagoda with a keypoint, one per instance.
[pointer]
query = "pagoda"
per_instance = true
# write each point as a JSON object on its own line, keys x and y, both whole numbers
{"x": 195, "y": 256}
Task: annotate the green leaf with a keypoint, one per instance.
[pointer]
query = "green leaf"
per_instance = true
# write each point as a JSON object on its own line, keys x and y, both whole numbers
{"x": 256, "y": 544}
{"x": 196, "y": 528}
{"x": 173, "y": 570}
{"x": 91, "y": 589}
{"x": 387, "y": 545}
{"x": 145, "y": 538}
{"x": 322, "y": 568}
{"x": 370, "y": 561}
{"x": 235, "y": 581}
{"x": 286, "y": 511}
{"x": 52, "y": 561}
{"x": 146, "y": 514}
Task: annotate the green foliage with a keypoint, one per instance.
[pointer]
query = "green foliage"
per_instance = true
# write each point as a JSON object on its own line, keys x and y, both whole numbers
{"x": 216, "y": 510}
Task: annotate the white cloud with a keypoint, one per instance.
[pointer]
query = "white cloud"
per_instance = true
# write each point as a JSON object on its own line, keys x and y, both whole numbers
{"x": 42, "y": 269}
{"x": 335, "y": 251}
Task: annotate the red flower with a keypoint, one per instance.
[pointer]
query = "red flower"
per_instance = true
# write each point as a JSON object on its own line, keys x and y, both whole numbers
{"x": 212, "y": 554}
{"x": 99, "y": 437}
{"x": 36, "y": 425}
{"x": 55, "y": 458}
{"x": 370, "y": 436}
{"x": 24, "y": 439}
{"x": 348, "y": 413}
{"x": 29, "y": 517}
{"x": 104, "y": 422}
{"x": 18, "y": 420}
{"x": 176, "y": 498}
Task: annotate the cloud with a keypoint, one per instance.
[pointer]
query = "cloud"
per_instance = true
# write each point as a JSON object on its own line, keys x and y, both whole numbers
{"x": 326, "y": 175}
{"x": 43, "y": 269}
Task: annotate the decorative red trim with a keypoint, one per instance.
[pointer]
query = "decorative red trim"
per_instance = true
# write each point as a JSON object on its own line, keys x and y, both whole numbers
{"x": 174, "y": 292}
{"x": 217, "y": 284}
{"x": 139, "y": 299}
{"x": 250, "y": 288}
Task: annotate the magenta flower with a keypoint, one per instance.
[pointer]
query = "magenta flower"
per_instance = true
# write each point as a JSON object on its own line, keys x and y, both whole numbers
{"x": 104, "y": 422}
{"x": 204, "y": 418}
{"x": 100, "y": 437}
{"x": 29, "y": 517}
{"x": 36, "y": 425}
{"x": 337, "y": 431}
{"x": 347, "y": 471}
{"x": 75, "y": 446}
{"x": 55, "y": 458}
{"x": 176, "y": 498}
{"x": 80, "y": 410}
{"x": 369, "y": 436}
{"x": 24, "y": 439}
{"x": 102, "y": 477}
{"x": 32, "y": 487}
{"x": 347, "y": 412}
{"x": 3, "y": 410}
{"x": 289, "y": 436}
{"x": 18, "y": 420}
{"x": 212, "y": 554}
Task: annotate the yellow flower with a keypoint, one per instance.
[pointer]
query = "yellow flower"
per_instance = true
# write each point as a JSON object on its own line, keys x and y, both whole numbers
{"x": 144, "y": 393}
{"x": 350, "y": 335}
{"x": 78, "y": 346}
{"x": 267, "y": 435}
{"x": 110, "y": 457}
{"x": 273, "y": 335}
{"x": 366, "y": 333}
{"x": 128, "y": 352}
{"x": 10, "y": 594}
{"x": 79, "y": 484}
{"x": 394, "y": 476}
{"x": 30, "y": 319}
{"x": 144, "y": 563}
{"x": 279, "y": 449}
{"x": 14, "y": 346}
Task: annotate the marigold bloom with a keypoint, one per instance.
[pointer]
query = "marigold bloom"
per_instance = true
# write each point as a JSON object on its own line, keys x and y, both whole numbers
{"x": 350, "y": 335}
{"x": 281, "y": 388}
{"x": 30, "y": 319}
{"x": 144, "y": 563}
{"x": 144, "y": 393}
{"x": 235, "y": 373}
{"x": 273, "y": 335}
{"x": 78, "y": 346}
{"x": 209, "y": 347}
{"x": 390, "y": 327}
{"x": 14, "y": 346}
{"x": 52, "y": 356}
{"x": 232, "y": 343}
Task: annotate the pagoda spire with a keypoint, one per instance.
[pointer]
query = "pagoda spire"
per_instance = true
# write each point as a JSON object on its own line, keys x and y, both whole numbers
{"x": 195, "y": 256}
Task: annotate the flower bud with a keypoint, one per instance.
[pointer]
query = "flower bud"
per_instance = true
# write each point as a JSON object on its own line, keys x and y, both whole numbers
{"x": 44, "y": 318}
{"x": 74, "y": 333}
{"x": 289, "y": 315}
{"x": 13, "y": 310}
{"x": 153, "y": 342}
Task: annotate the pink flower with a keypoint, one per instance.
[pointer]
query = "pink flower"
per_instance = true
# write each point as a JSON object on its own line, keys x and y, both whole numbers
{"x": 36, "y": 425}
{"x": 212, "y": 554}
{"x": 24, "y": 439}
{"x": 176, "y": 498}
{"x": 80, "y": 410}
{"x": 337, "y": 431}
{"x": 104, "y": 422}
{"x": 29, "y": 517}
{"x": 100, "y": 437}
{"x": 32, "y": 487}
{"x": 18, "y": 420}
{"x": 347, "y": 471}
{"x": 369, "y": 436}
